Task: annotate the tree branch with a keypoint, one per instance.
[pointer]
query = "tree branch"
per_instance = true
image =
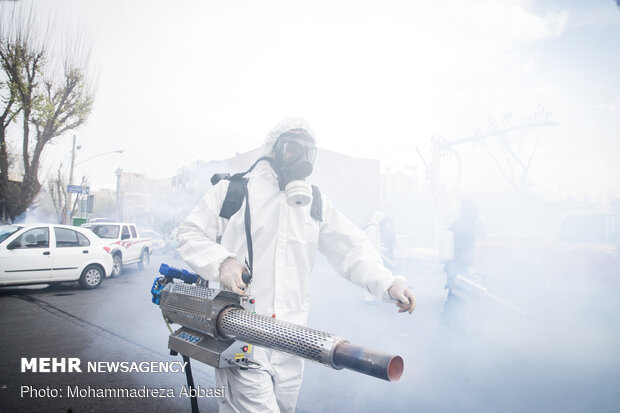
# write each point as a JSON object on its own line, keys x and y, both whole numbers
{"x": 501, "y": 170}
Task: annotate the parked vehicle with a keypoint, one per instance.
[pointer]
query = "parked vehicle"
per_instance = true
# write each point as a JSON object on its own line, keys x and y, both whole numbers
{"x": 158, "y": 245}
{"x": 581, "y": 244}
{"x": 124, "y": 242}
{"x": 8, "y": 230}
{"x": 45, "y": 254}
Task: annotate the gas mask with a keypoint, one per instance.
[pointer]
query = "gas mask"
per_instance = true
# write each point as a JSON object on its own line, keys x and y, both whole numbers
{"x": 293, "y": 155}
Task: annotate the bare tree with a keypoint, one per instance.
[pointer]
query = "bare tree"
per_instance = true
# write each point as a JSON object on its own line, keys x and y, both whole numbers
{"x": 21, "y": 59}
{"x": 57, "y": 188}
{"x": 514, "y": 156}
{"x": 8, "y": 97}
{"x": 49, "y": 100}
{"x": 60, "y": 197}
{"x": 58, "y": 194}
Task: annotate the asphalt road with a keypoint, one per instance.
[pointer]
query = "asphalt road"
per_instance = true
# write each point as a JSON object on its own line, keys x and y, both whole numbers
{"x": 507, "y": 363}
{"x": 116, "y": 322}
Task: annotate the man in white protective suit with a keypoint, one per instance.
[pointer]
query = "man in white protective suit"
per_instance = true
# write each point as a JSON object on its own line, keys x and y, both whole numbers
{"x": 284, "y": 236}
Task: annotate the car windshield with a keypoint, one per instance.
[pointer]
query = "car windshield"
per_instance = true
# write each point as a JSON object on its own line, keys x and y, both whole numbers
{"x": 105, "y": 231}
{"x": 8, "y": 230}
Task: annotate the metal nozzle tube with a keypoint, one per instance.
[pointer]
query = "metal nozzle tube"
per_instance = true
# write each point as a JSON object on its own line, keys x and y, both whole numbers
{"x": 310, "y": 344}
{"x": 276, "y": 334}
{"x": 371, "y": 362}
{"x": 217, "y": 314}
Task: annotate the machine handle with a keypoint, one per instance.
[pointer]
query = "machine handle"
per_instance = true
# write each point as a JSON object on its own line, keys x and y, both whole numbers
{"x": 184, "y": 275}
{"x": 247, "y": 278}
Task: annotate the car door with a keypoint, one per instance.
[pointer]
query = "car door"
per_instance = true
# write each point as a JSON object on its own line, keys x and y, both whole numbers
{"x": 26, "y": 258}
{"x": 70, "y": 253}
{"x": 127, "y": 243}
{"x": 136, "y": 246}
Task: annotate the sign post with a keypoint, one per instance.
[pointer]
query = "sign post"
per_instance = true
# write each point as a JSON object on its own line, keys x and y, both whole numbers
{"x": 78, "y": 189}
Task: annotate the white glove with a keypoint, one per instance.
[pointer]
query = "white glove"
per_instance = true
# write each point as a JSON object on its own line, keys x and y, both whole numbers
{"x": 405, "y": 299}
{"x": 231, "y": 271}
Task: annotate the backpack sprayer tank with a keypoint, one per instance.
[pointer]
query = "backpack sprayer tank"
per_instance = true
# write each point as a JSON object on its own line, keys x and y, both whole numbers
{"x": 219, "y": 328}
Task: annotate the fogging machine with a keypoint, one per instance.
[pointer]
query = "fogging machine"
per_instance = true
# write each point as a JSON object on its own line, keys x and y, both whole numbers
{"x": 220, "y": 328}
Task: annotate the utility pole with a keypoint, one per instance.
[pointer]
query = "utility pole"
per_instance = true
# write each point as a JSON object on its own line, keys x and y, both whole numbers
{"x": 70, "y": 195}
{"x": 119, "y": 172}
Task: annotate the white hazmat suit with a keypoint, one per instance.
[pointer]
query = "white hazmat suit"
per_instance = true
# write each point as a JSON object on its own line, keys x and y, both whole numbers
{"x": 285, "y": 241}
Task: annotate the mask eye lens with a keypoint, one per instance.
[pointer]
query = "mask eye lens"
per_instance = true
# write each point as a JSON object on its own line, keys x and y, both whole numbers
{"x": 292, "y": 151}
{"x": 311, "y": 154}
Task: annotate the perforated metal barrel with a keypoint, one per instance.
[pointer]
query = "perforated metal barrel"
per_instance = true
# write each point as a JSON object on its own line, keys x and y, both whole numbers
{"x": 189, "y": 306}
{"x": 280, "y": 335}
{"x": 308, "y": 343}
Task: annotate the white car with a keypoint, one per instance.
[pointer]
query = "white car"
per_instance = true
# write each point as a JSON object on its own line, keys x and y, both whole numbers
{"x": 44, "y": 254}
{"x": 158, "y": 245}
{"x": 123, "y": 241}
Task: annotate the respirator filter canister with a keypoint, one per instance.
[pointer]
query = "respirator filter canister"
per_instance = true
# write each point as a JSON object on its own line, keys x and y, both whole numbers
{"x": 298, "y": 193}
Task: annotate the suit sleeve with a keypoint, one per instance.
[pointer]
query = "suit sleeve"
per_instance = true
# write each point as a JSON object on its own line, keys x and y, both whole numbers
{"x": 350, "y": 252}
{"x": 198, "y": 234}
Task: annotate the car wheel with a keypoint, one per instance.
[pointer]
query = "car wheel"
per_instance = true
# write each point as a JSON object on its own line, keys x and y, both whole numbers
{"x": 145, "y": 259}
{"x": 117, "y": 265}
{"x": 91, "y": 277}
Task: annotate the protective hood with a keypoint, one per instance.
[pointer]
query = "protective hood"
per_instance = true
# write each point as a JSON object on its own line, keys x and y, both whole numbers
{"x": 290, "y": 148}
{"x": 286, "y": 124}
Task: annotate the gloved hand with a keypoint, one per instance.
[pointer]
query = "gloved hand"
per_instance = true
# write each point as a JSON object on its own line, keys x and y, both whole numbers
{"x": 231, "y": 272}
{"x": 405, "y": 299}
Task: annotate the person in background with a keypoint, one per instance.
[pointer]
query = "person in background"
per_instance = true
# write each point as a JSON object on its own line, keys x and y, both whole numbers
{"x": 388, "y": 243}
{"x": 464, "y": 232}
{"x": 373, "y": 230}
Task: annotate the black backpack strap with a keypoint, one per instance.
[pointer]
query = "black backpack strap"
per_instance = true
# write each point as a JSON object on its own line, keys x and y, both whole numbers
{"x": 248, "y": 233}
{"x": 316, "y": 209}
{"x": 190, "y": 384}
{"x": 237, "y": 189}
{"x": 218, "y": 177}
{"x": 235, "y": 194}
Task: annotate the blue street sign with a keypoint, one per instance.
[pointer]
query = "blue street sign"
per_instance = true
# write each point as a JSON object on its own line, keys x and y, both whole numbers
{"x": 77, "y": 189}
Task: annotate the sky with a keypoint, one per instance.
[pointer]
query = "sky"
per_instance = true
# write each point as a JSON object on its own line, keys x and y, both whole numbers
{"x": 187, "y": 80}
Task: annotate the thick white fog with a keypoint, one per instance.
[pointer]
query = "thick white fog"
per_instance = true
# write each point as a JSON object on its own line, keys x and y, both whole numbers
{"x": 177, "y": 82}
{"x": 411, "y": 88}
